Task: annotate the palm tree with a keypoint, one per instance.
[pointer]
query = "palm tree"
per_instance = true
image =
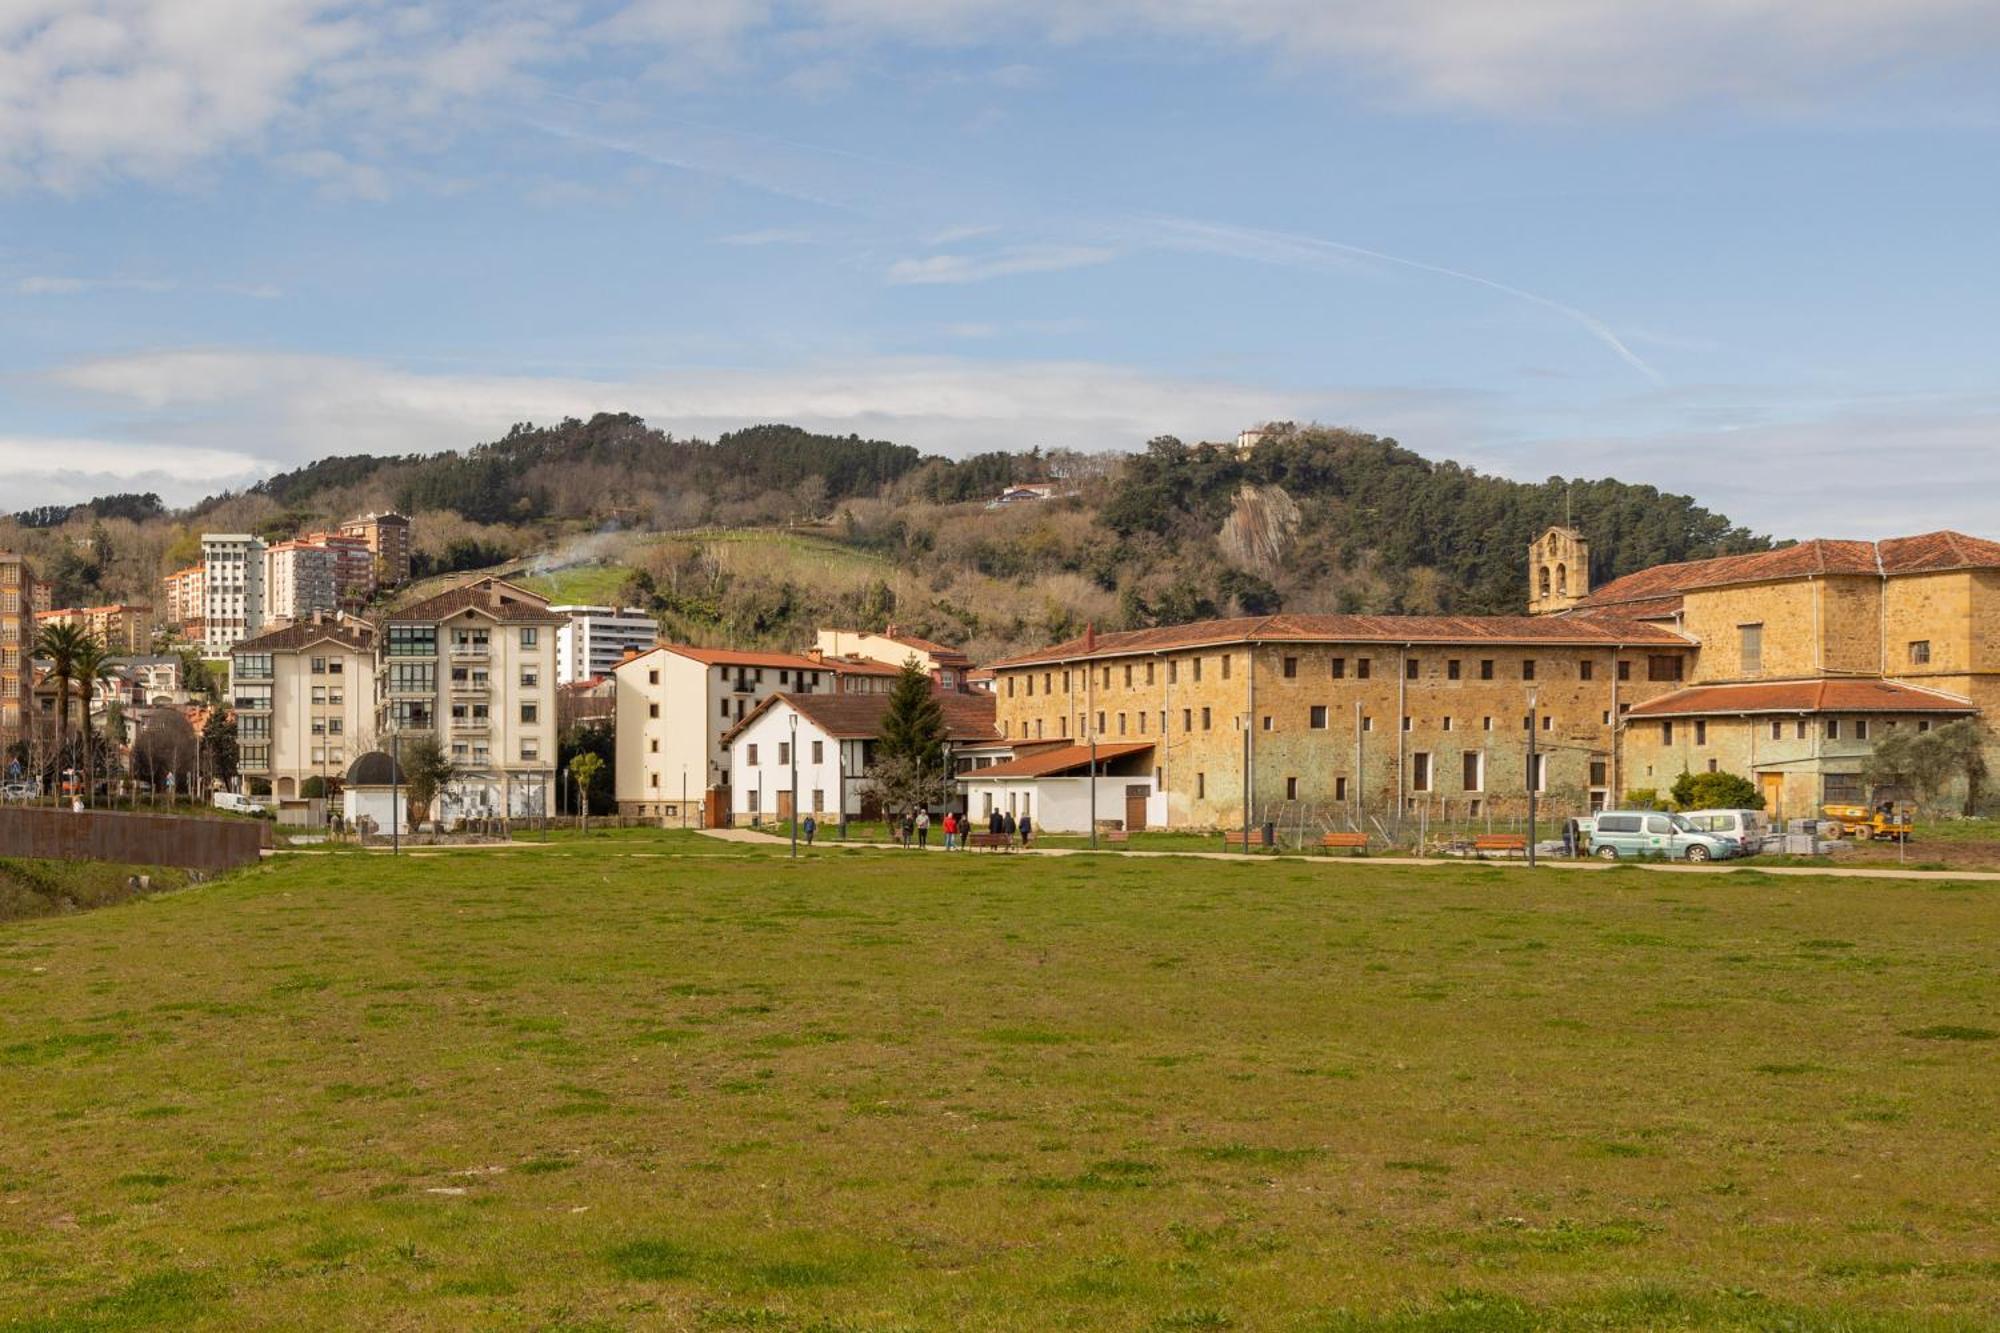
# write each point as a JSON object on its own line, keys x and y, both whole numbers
{"x": 93, "y": 665}
{"x": 63, "y": 645}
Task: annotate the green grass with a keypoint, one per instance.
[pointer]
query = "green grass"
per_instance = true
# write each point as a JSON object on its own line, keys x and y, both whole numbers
{"x": 666, "y": 1082}
{"x": 31, "y": 888}
{"x": 585, "y": 585}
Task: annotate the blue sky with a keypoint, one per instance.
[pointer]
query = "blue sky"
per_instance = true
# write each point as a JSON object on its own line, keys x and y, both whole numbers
{"x": 1745, "y": 252}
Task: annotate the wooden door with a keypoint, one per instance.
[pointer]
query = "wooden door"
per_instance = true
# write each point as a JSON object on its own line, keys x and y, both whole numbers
{"x": 785, "y": 805}
{"x": 1135, "y": 807}
{"x": 1773, "y": 787}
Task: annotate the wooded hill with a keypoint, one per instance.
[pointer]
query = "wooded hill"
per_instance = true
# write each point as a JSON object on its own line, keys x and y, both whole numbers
{"x": 754, "y": 537}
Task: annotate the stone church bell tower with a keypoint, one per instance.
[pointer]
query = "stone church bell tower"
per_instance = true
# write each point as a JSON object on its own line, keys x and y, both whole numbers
{"x": 1558, "y": 571}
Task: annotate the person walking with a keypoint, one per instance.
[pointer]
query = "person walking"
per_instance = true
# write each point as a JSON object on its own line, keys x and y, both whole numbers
{"x": 950, "y": 830}
{"x": 924, "y": 827}
{"x": 909, "y": 827}
{"x": 1027, "y": 829}
{"x": 810, "y": 827}
{"x": 1009, "y": 826}
{"x": 995, "y": 822}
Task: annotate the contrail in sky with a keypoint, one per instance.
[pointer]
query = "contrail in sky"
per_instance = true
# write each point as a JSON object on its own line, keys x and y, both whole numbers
{"x": 1271, "y": 247}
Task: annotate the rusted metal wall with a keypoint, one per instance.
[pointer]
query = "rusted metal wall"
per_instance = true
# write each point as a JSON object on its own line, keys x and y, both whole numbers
{"x": 144, "y": 840}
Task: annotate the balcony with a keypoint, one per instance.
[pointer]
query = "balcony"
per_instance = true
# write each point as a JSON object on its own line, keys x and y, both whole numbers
{"x": 471, "y": 726}
{"x": 461, "y": 652}
{"x": 471, "y": 685}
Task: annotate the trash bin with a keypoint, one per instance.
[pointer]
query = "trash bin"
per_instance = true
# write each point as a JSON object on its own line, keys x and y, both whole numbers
{"x": 1270, "y": 834}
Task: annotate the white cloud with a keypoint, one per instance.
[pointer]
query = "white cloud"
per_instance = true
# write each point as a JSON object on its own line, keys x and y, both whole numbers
{"x": 153, "y": 88}
{"x": 959, "y": 268}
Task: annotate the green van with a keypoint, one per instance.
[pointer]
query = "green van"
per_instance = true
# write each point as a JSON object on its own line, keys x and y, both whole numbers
{"x": 1654, "y": 833}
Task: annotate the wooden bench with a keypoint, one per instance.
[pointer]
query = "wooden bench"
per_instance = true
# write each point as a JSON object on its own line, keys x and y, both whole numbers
{"x": 1352, "y": 842}
{"x": 1233, "y": 837}
{"x": 992, "y": 842}
{"x": 1505, "y": 844}
{"x": 1117, "y": 835}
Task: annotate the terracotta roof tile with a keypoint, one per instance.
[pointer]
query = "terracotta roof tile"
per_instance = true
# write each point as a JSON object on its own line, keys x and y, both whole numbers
{"x": 1928, "y": 553}
{"x": 454, "y": 600}
{"x": 1802, "y": 696}
{"x": 355, "y": 634}
{"x": 1592, "y": 630}
{"x": 1062, "y": 759}
{"x": 968, "y": 719}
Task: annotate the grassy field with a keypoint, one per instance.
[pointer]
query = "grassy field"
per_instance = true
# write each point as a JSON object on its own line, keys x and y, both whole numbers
{"x": 663, "y": 1082}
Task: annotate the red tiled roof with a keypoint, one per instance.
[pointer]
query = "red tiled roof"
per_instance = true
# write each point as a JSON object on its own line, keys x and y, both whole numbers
{"x": 358, "y": 635}
{"x": 1803, "y": 696}
{"x": 1593, "y": 631}
{"x": 968, "y": 719}
{"x": 1925, "y": 554}
{"x": 746, "y": 657}
{"x": 1062, "y": 759}
{"x": 479, "y": 595}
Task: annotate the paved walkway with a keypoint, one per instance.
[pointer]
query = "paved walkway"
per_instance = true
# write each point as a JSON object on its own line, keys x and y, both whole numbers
{"x": 1391, "y": 862}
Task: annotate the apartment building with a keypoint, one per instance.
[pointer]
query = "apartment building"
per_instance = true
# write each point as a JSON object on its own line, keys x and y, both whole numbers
{"x": 677, "y": 702}
{"x": 387, "y": 537}
{"x": 232, "y": 570}
{"x": 475, "y": 666}
{"x": 353, "y": 566}
{"x": 17, "y": 639}
{"x": 122, "y": 628}
{"x": 301, "y": 580}
{"x": 597, "y": 638}
{"x": 304, "y": 695}
{"x": 181, "y": 600}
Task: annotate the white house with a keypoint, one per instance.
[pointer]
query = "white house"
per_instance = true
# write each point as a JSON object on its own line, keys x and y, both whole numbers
{"x": 675, "y": 703}
{"x": 1052, "y": 785}
{"x": 835, "y": 739}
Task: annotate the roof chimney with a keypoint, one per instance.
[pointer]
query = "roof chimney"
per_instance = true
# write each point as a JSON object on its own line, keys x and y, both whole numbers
{"x": 1090, "y": 637}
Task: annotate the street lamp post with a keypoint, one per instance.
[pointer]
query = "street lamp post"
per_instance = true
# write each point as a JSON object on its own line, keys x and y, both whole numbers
{"x": 1093, "y": 789}
{"x": 395, "y": 793}
{"x": 1532, "y": 775}
{"x": 792, "y": 752}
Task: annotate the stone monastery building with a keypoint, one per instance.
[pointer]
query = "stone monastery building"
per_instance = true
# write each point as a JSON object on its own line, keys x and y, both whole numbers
{"x": 1784, "y": 666}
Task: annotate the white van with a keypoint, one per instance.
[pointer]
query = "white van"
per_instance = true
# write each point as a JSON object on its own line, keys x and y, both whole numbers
{"x": 1750, "y": 828}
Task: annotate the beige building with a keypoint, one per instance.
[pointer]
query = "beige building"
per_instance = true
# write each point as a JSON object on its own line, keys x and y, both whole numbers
{"x": 232, "y": 590}
{"x": 304, "y": 695}
{"x": 676, "y": 703}
{"x": 946, "y": 666}
{"x": 1808, "y": 655}
{"x": 123, "y": 629}
{"x": 1325, "y": 721}
{"x": 387, "y": 537}
{"x": 182, "y": 600}
{"x": 17, "y": 641}
{"x": 476, "y": 667}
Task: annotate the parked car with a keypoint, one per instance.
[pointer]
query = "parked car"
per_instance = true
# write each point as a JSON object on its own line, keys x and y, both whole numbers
{"x": 18, "y": 791}
{"x": 242, "y": 805}
{"x": 1750, "y": 828}
{"x": 1619, "y": 834}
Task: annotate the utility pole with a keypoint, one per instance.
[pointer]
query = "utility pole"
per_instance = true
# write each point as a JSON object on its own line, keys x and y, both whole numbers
{"x": 1531, "y": 778}
{"x": 793, "y": 752}
{"x": 1246, "y": 784}
{"x": 395, "y": 794}
{"x": 1093, "y": 788}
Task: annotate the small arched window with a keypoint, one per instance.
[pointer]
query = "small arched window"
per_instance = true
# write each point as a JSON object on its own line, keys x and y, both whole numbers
{"x": 1545, "y": 580}
{"x": 1562, "y": 580}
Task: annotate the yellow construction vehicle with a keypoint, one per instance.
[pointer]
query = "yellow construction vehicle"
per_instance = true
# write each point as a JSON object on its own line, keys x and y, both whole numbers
{"x": 1886, "y": 822}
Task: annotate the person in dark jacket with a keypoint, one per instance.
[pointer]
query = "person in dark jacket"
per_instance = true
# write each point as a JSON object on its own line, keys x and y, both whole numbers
{"x": 1007, "y": 826}
{"x": 996, "y": 822}
{"x": 1027, "y": 829}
